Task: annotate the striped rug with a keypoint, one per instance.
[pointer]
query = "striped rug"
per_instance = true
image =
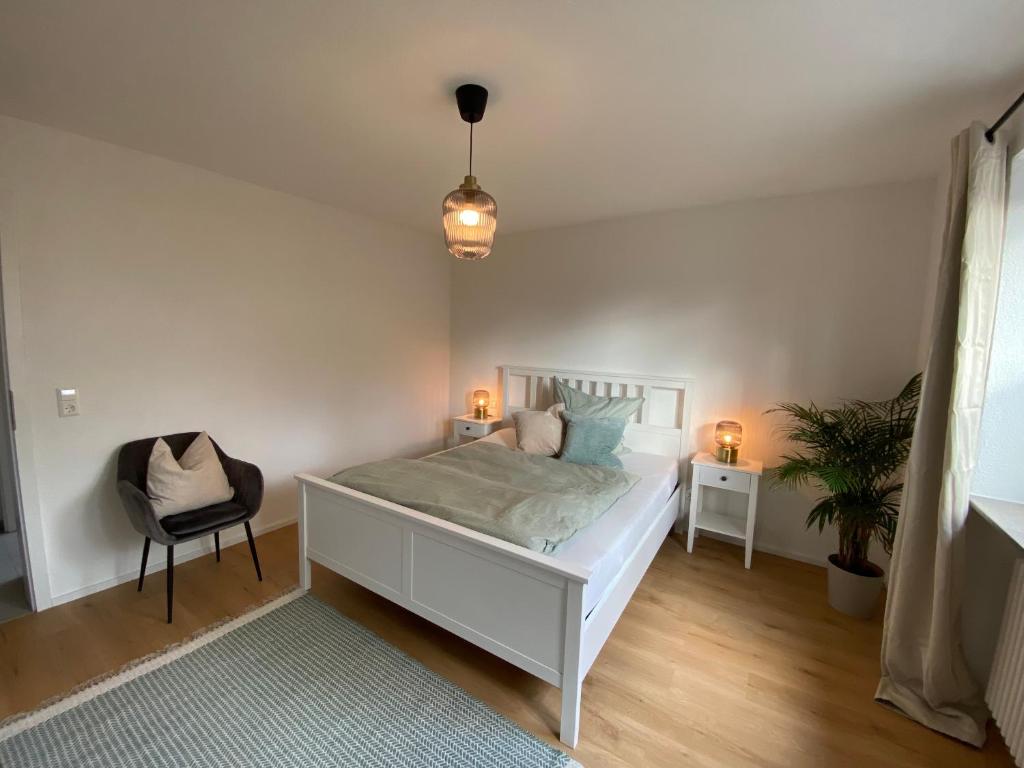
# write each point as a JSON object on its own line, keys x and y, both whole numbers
{"x": 293, "y": 683}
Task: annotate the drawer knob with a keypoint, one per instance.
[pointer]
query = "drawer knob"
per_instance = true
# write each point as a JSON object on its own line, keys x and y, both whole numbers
{"x": 723, "y": 478}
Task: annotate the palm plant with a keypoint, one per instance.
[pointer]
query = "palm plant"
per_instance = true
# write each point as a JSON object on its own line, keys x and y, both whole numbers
{"x": 854, "y": 453}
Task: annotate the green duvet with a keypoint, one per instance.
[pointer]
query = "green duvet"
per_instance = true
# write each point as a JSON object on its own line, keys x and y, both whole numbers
{"x": 534, "y": 501}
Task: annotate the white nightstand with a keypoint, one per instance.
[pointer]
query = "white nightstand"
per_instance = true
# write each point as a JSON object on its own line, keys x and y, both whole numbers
{"x": 473, "y": 428}
{"x": 741, "y": 477}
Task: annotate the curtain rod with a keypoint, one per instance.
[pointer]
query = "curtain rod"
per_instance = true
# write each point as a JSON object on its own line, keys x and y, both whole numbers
{"x": 991, "y": 132}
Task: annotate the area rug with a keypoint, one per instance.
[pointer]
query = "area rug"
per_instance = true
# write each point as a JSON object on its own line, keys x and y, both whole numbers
{"x": 293, "y": 683}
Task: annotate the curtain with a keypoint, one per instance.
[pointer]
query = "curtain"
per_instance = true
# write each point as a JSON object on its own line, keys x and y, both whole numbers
{"x": 924, "y": 673}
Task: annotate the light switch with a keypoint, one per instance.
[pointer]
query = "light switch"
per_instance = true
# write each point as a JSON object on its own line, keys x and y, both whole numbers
{"x": 67, "y": 402}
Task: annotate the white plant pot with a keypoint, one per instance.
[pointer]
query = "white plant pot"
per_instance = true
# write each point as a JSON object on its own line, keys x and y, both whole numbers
{"x": 851, "y": 593}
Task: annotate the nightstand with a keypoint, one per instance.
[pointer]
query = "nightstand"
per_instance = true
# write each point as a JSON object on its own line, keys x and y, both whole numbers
{"x": 473, "y": 428}
{"x": 741, "y": 477}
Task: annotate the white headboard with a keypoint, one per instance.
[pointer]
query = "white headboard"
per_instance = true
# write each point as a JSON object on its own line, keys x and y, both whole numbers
{"x": 662, "y": 426}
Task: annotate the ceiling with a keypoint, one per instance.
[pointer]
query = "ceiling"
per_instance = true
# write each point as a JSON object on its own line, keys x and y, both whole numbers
{"x": 597, "y": 108}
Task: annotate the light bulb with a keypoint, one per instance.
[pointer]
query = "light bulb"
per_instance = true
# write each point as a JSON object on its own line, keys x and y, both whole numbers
{"x": 469, "y": 217}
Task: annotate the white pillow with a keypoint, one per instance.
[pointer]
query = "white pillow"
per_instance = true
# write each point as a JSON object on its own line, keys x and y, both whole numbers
{"x": 194, "y": 481}
{"x": 540, "y": 432}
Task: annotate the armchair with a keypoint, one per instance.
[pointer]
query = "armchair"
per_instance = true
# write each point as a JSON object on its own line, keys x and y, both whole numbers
{"x": 245, "y": 478}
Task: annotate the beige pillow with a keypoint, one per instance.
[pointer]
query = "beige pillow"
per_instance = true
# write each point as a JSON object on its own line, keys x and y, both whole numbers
{"x": 540, "y": 432}
{"x": 194, "y": 481}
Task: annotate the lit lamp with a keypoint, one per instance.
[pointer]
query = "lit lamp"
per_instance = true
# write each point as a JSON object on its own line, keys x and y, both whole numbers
{"x": 468, "y": 214}
{"x": 728, "y": 436}
{"x": 481, "y": 399}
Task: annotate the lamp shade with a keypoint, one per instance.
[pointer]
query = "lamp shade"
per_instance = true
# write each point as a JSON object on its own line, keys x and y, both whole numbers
{"x": 728, "y": 437}
{"x": 469, "y": 217}
{"x": 481, "y": 399}
{"x": 729, "y": 433}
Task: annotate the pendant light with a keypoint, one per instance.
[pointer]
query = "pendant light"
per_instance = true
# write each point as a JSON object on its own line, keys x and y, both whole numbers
{"x": 468, "y": 214}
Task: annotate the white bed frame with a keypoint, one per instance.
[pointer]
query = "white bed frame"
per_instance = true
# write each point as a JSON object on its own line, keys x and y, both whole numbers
{"x": 522, "y": 606}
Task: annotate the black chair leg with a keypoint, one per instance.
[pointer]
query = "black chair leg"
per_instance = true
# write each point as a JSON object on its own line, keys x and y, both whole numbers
{"x": 145, "y": 558}
{"x": 252, "y": 548}
{"x": 170, "y": 581}
{"x": 216, "y": 543}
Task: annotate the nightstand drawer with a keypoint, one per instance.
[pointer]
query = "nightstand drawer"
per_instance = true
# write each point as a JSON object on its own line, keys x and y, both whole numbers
{"x": 472, "y": 428}
{"x": 729, "y": 479}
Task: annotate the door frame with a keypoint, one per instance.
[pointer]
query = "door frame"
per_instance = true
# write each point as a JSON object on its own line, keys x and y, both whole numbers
{"x": 17, "y": 453}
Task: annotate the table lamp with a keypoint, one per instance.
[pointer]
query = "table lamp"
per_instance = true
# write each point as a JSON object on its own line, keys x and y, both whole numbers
{"x": 481, "y": 399}
{"x": 728, "y": 436}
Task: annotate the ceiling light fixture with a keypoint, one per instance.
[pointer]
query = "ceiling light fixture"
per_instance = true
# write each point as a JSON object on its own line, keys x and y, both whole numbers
{"x": 469, "y": 215}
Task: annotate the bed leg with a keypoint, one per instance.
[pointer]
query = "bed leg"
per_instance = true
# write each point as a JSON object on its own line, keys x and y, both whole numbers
{"x": 569, "y": 729}
{"x": 572, "y": 674}
{"x": 305, "y": 576}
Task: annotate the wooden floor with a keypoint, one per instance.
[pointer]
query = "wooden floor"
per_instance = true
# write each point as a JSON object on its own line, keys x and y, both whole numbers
{"x": 711, "y": 665}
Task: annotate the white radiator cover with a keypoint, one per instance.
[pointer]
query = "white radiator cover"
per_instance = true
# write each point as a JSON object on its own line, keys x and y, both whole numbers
{"x": 1005, "y": 693}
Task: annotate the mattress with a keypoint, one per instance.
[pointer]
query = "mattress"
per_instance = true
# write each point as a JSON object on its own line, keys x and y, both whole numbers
{"x": 605, "y": 545}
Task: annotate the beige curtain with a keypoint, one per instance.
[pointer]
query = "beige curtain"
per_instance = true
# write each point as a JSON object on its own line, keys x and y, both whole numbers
{"x": 923, "y": 669}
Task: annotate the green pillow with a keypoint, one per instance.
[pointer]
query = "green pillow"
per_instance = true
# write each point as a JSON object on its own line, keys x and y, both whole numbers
{"x": 592, "y": 439}
{"x": 584, "y": 404}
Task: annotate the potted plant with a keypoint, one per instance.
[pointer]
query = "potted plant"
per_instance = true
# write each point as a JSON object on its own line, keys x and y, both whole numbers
{"x": 854, "y": 453}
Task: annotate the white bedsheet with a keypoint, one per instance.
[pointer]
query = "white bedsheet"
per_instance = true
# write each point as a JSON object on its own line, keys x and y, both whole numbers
{"x": 605, "y": 545}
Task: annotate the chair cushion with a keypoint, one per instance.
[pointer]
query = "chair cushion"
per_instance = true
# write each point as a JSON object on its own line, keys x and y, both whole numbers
{"x": 209, "y": 519}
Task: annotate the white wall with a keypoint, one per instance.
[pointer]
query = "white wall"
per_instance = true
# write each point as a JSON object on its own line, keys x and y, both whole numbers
{"x": 301, "y": 337}
{"x": 150, "y": 285}
{"x": 818, "y": 296}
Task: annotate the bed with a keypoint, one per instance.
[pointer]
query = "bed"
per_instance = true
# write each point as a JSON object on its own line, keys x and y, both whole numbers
{"x": 549, "y": 614}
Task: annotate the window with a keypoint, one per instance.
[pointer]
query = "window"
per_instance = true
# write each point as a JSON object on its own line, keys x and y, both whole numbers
{"x": 1000, "y": 469}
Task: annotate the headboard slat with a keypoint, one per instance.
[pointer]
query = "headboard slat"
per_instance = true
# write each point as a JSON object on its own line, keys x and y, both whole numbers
{"x": 661, "y": 426}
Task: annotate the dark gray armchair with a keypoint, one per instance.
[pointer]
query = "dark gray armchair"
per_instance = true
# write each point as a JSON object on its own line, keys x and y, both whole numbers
{"x": 245, "y": 478}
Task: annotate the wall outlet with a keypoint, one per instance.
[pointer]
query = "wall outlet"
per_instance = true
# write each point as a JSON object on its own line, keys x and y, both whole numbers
{"x": 67, "y": 402}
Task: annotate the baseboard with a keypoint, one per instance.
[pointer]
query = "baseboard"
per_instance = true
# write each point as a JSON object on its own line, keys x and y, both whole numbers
{"x": 789, "y": 554}
{"x": 228, "y": 538}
